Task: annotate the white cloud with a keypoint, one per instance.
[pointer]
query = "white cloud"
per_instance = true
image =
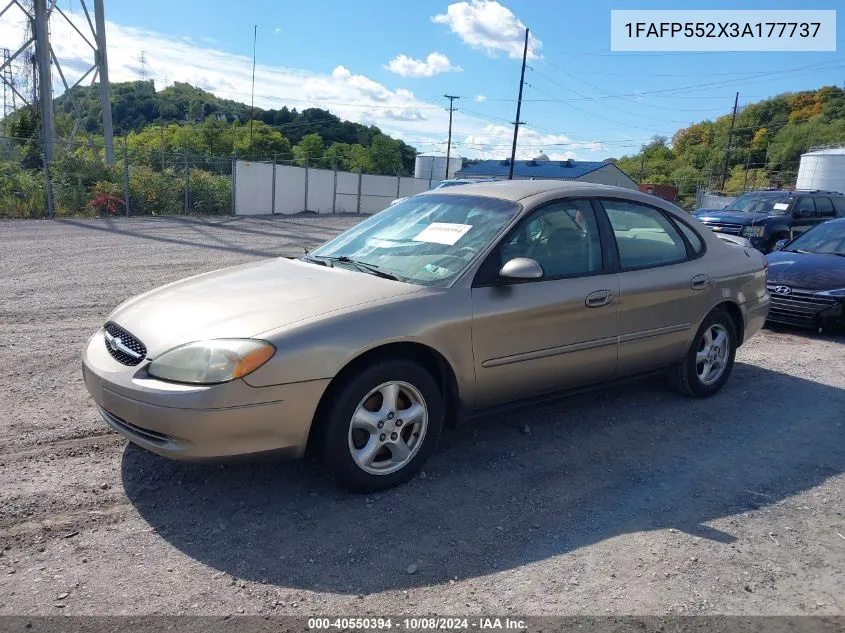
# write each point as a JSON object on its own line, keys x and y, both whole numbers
{"x": 277, "y": 30}
{"x": 494, "y": 141}
{"x": 351, "y": 96}
{"x": 434, "y": 64}
{"x": 480, "y": 98}
{"x": 489, "y": 26}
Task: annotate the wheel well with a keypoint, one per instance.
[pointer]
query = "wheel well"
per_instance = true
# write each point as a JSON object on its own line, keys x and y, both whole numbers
{"x": 430, "y": 359}
{"x": 736, "y": 315}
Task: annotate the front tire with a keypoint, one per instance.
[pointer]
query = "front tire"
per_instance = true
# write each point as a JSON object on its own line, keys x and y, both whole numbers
{"x": 382, "y": 425}
{"x": 710, "y": 359}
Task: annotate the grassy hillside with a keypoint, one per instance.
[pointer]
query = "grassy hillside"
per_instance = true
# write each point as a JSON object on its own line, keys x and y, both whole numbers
{"x": 769, "y": 138}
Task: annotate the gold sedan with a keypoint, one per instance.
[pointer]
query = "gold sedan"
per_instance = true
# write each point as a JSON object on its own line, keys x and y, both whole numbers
{"x": 447, "y": 303}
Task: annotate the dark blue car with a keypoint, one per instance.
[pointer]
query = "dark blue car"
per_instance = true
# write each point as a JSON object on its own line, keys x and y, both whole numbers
{"x": 807, "y": 278}
{"x": 766, "y": 217}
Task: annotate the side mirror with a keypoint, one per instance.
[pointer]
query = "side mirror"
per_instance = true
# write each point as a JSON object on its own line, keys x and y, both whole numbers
{"x": 521, "y": 268}
{"x": 780, "y": 244}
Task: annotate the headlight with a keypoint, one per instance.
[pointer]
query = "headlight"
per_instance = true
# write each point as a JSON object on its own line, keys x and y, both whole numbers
{"x": 208, "y": 362}
{"x": 753, "y": 231}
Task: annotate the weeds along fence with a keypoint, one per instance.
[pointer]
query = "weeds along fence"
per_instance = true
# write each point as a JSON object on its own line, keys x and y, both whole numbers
{"x": 161, "y": 181}
{"x": 141, "y": 182}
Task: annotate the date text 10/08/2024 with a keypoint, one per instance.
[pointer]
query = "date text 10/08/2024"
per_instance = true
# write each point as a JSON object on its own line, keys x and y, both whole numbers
{"x": 429, "y": 623}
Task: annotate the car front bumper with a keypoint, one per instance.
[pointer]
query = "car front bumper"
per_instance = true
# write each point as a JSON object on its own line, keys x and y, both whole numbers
{"x": 199, "y": 421}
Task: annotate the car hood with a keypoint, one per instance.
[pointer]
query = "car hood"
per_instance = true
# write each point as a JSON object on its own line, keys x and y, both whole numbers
{"x": 732, "y": 217}
{"x": 806, "y": 270}
{"x": 244, "y": 301}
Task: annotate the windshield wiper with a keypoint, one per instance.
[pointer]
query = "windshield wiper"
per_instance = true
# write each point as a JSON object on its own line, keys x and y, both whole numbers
{"x": 795, "y": 250}
{"x": 362, "y": 266}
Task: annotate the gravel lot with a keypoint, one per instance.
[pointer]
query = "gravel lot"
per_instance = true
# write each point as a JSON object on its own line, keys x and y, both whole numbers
{"x": 631, "y": 500}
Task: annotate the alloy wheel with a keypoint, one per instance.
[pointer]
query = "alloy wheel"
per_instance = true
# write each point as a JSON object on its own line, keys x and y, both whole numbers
{"x": 388, "y": 428}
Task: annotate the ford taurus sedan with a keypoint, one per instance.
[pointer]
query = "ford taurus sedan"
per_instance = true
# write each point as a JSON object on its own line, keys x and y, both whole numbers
{"x": 449, "y": 303}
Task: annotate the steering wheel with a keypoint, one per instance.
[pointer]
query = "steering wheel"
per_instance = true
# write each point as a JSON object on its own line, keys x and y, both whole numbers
{"x": 463, "y": 252}
{"x": 447, "y": 259}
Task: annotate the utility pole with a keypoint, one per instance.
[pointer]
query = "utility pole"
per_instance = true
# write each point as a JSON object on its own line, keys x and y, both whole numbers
{"x": 730, "y": 139}
{"x": 518, "y": 106}
{"x": 451, "y": 109}
{"x": 102, "y": 62}
{"x": 252, "y": 102}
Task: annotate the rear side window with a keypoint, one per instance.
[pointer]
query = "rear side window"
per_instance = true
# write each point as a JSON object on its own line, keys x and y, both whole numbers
{"x": 644, "y": 236}
{"x": 839, "y": 207}
{"x": 692, "y": 237}
{"x": 824, "y": 207}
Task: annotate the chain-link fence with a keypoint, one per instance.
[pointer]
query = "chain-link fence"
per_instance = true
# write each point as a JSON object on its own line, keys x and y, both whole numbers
{"x": 77, "y": 181}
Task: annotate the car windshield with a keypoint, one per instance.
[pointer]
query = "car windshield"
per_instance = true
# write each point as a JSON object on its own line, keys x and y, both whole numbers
{"x": 827, "y": 239}
{"x": 757, "y": 203}
{"x": 427, "y": 240}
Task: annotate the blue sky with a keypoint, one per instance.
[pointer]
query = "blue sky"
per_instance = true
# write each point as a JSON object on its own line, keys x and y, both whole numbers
{"x": 582, "y": 100}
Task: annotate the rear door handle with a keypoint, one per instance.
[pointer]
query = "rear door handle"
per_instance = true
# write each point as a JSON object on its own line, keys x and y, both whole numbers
{"x": 699, "y": 282}
{"x": 598, "y": 299}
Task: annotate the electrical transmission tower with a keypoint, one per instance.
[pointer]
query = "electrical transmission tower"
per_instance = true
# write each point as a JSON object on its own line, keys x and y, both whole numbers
{"x": 142, "y": 67}
{"x": 9, "y": 83}
{"x": 38, "y": 14}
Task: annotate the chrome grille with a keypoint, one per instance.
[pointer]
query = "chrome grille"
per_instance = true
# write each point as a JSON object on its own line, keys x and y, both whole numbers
{"x": 799, "y": 307}
{"x": 723, "y": 227}
{"x": 121, "y": 340}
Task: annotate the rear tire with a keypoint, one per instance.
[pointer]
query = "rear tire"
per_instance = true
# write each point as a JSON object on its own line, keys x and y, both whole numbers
{"x": 710, "y": 359}
{"x": 381, "y": 426}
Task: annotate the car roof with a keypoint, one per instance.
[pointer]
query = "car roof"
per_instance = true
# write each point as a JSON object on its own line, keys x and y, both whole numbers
{"x": 519, "y": 189}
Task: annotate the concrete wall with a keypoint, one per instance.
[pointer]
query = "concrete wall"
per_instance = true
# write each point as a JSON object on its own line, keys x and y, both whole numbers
{"x": 327, "y": 190}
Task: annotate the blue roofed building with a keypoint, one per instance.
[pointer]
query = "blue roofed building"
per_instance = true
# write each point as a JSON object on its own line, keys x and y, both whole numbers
{"x": 541, "y": 167}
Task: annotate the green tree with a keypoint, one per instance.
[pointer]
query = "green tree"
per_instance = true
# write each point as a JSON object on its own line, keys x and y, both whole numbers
{"x": 310, "y": 149}
{"x": 386, "y": 155}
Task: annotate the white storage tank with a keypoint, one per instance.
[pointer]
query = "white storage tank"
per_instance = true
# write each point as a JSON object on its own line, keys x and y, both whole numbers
{"x": 434, "y": 167}
{"x": 822, "y": 169}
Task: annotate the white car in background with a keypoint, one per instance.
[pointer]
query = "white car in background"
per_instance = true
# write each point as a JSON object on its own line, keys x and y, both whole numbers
{"x": 452, "y": 182}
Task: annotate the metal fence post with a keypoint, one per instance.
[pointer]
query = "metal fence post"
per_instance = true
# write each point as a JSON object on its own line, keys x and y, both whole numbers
{"x": 126, "y": 177}
{"x": 234, "y": 184}
{"x": 334, "y": 189}
{"x": 47, "y": 186}
{"x": 306, "y": 184}
{"x": 273, "y": 189}
{"x": 186, "y": 182}
{"x": 398, "y": 183}
{"x": 360, "y": 179}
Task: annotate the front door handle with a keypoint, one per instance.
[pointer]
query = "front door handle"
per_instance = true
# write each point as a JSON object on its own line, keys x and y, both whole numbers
{"x": 699, "y": 282}
{"x": 598, "y": 299}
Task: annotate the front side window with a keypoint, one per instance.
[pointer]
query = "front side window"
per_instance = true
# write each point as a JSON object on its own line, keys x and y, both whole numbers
{"x": 644, "y": 236}
{"x": 805, "y": 207}
{"x": 427, "y": 240}
{"x": 563, "y": 237}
